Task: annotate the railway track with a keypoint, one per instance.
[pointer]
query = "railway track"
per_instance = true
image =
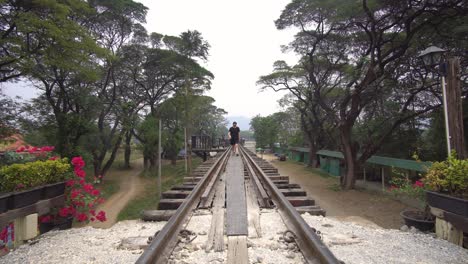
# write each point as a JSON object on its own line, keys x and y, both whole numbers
{"x": 231, "y": 195}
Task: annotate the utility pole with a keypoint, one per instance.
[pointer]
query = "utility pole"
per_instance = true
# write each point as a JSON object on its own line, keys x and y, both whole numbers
{"x": 455, "y": 108}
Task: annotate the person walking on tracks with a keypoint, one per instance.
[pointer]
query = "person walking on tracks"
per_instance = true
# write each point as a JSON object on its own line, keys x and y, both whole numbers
{"x": 234, "y": 136}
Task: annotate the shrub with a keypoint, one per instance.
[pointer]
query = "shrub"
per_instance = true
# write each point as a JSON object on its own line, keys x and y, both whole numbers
{"x": 32, "y": 174}
{"x": 449, "y": 176}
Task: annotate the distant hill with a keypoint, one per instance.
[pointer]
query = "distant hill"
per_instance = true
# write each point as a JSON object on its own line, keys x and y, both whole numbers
{"x": 242, "y": 122}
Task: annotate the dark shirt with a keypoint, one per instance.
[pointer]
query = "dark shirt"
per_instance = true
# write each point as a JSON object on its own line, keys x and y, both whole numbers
{"x": 234, "y": 132}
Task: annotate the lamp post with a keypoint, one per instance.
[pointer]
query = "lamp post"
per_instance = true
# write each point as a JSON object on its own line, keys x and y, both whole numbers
{"x": 448, "y": 69}
{"x": 432, "y": 57}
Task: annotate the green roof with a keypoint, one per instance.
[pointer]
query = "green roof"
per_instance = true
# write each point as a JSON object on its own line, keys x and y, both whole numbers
{"x": 378, "y": 160}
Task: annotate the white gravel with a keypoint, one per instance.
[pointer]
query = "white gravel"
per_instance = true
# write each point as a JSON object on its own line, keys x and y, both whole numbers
{"x": 353, "y": 243}
{"x": 350, "y": 242}
{"x": 84, "y": 245}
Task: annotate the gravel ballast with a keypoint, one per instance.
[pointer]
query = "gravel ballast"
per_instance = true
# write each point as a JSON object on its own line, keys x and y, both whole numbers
{"x": 350, "y": 242}
{"x": 84, "y": 245}
{"x": 353, "y": 243}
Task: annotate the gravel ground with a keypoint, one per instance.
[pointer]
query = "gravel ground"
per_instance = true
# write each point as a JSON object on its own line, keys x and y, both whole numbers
{"x": 84, "y": 245}
{"x": 350, "y": 242}
{"x": 354, "y": 243}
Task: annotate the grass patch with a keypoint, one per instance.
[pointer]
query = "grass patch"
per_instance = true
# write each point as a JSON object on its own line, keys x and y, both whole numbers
{"x": 120, "y": 157}
{"x": 320, "y": 172}
{"x": 334, "y": 187}
{"x": 109, "y": 188}
{"x": 149, "y": 199}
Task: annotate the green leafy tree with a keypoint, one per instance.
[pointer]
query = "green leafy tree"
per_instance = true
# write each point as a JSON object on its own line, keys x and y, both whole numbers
{"x": 376, "y": 66}
{"x": 266, "y": 130}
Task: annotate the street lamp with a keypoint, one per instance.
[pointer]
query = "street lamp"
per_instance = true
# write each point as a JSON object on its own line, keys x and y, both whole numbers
{"x": 432, "y": 57}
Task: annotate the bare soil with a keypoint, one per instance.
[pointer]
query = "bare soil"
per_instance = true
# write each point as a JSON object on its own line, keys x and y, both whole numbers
{"x": 130, "y": 185}
{"x": 359, "y": 206}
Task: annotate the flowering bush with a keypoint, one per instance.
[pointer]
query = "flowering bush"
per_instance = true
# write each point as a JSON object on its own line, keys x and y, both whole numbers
{"x": 24, "y": 176}
{"x": 82, "y": 197}
{"x": 402, "y": 184}
{"x": 25, "y": 154}
{"x": 449, "y": 176}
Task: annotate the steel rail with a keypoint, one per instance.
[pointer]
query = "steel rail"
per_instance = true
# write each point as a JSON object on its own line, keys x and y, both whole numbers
{"x": 161, "y": 246}
{"x": 312, "y": 248}
{"x": 264, "y": 198}
{"x": 208, "y": 192}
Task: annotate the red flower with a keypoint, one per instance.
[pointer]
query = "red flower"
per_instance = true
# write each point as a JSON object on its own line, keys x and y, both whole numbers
{"x": 78, "y": 162}
{"x": 92, "y": 212}
{"x": 53, "y": 158}
{"x": 82, "y": 217}
{"x": 47, "y": 148}
{"x": 72, "y": 210}
{"x": 63, "y": 212}
{"x": 95, "y": 192}
{"x": 32, "y": 150}
{"x": 45, "y": 219}
{"x": 79, "y": 172}
{"x": 418, "y": 184}
{"x": 88, "y": 187}
{"x": 20, "y": 149}
{"x": 101, "y": 216}
{"x": 75, "y": 193}
{"x": 70, "y": 183}
{"x": 82, "y": 182}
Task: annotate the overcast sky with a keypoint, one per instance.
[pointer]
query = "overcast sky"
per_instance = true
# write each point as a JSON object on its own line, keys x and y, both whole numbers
{"x": 244, "y": 44}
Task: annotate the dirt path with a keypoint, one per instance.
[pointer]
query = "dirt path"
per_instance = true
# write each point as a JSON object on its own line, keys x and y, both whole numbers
{"x": 353, "y": 205}
{"x": 130, "y": 186}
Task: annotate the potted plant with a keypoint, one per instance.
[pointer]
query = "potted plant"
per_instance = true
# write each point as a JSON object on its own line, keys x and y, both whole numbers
{"x": 27, "y": 181}
{"x": 82, "y": 198}
{"x": 404, "y": 187}
{"x": 448, "y": 185}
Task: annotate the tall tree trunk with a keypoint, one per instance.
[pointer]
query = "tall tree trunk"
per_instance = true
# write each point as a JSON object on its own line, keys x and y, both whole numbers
{"x": 111, "y": 158}
{"x": 349, "y": 152}
{"x": 128, "y": 149}
{"x": 312, "y": 155}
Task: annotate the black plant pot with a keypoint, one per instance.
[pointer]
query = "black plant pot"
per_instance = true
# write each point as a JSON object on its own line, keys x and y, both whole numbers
{"x": 416, "y": 219}
{"x": 448, "y": 203}
{"x": 64, "y": 223}
{"x": 46, "y": 227}
{"x": 4, "y": 202}
{"x": 25, "y": 198}
{"x": 59, "y": 223}
{"x": 53, "y": 190}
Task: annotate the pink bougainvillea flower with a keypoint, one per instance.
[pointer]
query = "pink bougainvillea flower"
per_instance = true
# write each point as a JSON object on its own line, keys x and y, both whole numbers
{"x": 70, "y": 183}
{"x": 47, "y": 148}
{"x": 92, "y": 212}
{"x": 95, "y": 192}
{"x": 74, "y": 193}
{"x": 101, "y": 216}
{"x": 82, "y": 182}
{"x": 78, "y": 162}
{"x": 81, "y": 217}
{"x": 92, "y": 219}
{"x": 33, "y": 149}
{"x": 72, "y": 210}
{"x": 53, "y": 158}
{"x": 20, "y": 149}
{"x": 79, "y": 172}
{"x": 88, "y": 187}
{"x": 45, "y": 218}
{"x": 63, "y": 212}
{"x": 418, "y": 184}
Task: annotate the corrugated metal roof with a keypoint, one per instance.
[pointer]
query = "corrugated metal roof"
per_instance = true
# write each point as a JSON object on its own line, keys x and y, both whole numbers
{"x": 379, "y": 160}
